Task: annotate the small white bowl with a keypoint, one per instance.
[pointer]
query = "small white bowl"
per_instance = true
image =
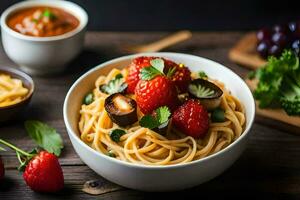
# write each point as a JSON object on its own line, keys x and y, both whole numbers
{"x": 158, "y": 178}
{"x": 43, "y": 55}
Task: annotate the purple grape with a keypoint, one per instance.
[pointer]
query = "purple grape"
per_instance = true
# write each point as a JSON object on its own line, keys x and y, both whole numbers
{"x": 262, "y": 48}
{"x": 275, "y": 50}
{"x": 293, "y": 26}
{"x": 296, "y": 46}
{"x": 263, "y": 34}
{"x": 280, "y": 39}
{"x": 280, "y": 28}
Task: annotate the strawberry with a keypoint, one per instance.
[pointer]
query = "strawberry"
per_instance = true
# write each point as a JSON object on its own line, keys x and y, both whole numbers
{"x": 159, "y": 91}
{"x": 2, "y": 171}
{"x": 155, "y": 89}
{"x": 135, "y": 67}
{"x": 43, "y": 173}
{"x": 134, "y": 70}
{"x": 180, "y": 75}
{"x": 191, "y": 118}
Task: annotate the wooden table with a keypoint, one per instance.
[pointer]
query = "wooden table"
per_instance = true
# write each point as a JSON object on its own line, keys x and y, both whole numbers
{"x": 269, "y": 168}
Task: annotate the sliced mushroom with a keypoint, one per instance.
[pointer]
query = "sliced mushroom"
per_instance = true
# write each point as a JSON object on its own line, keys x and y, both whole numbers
{"x": 122, "y": 110}
{"x": 208, "y": 93}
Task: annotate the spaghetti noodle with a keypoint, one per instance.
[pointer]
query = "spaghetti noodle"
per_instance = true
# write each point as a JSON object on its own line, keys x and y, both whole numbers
{"x": 144, "y": 146}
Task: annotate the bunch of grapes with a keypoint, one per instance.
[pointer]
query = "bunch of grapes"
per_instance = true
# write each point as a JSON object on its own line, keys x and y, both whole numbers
{"x": 272, "y": 41}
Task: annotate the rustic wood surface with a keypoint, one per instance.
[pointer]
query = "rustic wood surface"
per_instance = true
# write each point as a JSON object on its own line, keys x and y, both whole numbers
{"x": 244, "y": 52}
{"x": 269, "y": 168}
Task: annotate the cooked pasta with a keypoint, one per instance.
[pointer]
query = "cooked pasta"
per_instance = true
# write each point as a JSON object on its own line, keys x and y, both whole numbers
{"x": 144, "y": 146}
{"x": 11, "y": 90}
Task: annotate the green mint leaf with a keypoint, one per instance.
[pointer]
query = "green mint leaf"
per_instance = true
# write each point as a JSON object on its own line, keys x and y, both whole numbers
{"x": 162, "y": 114}
{"x": 88, "y": 99}
{"x": 158, "y": 64}
{"x": 45, "y": 136}
{"x": 149, "y": 121}
{"x": 202, "y": 74}
{"x": 218, "y": 115}
{"x": 148, "y": 73}
{"x": 116, "y": 134}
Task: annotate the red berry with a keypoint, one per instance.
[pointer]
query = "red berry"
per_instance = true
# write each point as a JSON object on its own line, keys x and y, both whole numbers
{"x": 134, "y": 70}
{"x": 2, "y": 171}
{"x": 43, "y": 173}
{"x": 191, "y": 118}
{"x": 181, "y": 78}
{"x": 159, "y": 91}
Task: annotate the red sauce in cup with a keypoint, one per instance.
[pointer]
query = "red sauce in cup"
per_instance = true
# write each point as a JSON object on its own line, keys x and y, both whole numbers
{"x": 42, "y": 21}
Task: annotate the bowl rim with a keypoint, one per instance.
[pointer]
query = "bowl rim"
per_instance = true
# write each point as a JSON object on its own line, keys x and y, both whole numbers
{"x": 72, "y": 133}
{"x": 13, "y": 71}
{"x": 82, "y": 17}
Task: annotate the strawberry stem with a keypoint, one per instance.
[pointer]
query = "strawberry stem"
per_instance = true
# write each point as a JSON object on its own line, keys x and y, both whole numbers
{"x": 16, "y": 148}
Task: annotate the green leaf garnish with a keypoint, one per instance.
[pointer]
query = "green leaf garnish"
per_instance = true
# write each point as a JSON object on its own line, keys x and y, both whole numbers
{"x": 45, "y": 136}
{"x": 201, "y": 91}
{"x": 158, "y": 64}
{"x": 171, "y": 72}
{"x": 148, "y": 73}
{"x": 49, "y": 14}
{"x": 149, "y": 121}
{"x": 156, "y": 68}
{"x": 114, "y": 86}
{"x": 218, "y": 115}
{"x": 116, "y": 134}
{"x": 162, "y": 116}
{"x": 88, "y": 99}
{"x": 202, "y": 74}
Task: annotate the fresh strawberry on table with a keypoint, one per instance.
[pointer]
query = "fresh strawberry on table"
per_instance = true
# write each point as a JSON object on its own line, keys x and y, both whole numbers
{"x": 42, "y": 171}
{"x": 155, "y": 89}
{"x": 191, "y": 118}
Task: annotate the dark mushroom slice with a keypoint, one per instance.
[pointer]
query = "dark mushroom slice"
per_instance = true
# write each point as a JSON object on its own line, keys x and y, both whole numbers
{"x": 208, "y": 93}
{"x": 122, "y": 110}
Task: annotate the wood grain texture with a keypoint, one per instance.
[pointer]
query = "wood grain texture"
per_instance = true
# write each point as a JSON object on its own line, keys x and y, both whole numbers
{"x": 244, "y": 52}
{"x": 269, "y": 167}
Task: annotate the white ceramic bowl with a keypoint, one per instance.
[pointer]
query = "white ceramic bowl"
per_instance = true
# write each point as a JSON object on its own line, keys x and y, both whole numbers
{"x": 158, "y": 178}
{"x": 43, "y": 55}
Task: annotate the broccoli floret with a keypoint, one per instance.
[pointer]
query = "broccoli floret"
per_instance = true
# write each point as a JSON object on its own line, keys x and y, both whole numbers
{"x": 290, "y": 95}
{"x": 279, "y": 83}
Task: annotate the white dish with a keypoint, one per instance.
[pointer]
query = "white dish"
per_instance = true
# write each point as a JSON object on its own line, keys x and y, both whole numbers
{"x": 158, "y": 178}
{"x": 43, "y": 55}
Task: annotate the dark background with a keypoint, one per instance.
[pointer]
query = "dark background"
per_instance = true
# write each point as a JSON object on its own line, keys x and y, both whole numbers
{"x": 199, "y": 15}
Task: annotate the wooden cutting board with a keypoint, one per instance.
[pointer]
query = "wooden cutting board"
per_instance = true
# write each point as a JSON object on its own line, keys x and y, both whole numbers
{"x": 244, "y": 53}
